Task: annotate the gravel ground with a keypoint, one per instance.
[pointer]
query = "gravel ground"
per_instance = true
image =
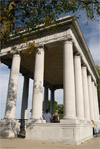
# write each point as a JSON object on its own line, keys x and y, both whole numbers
{"x": 19, "y": 143}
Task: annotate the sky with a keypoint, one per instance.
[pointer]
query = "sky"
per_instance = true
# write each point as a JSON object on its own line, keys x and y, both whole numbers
{"x": 91, "y": 31}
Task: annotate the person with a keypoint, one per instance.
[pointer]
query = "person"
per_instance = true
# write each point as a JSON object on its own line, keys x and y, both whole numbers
{"x": 96, "y": 130}
{"x": 47, "y": 116}
{"x": 93, "y": 125}
{"x": 55, "y": 118}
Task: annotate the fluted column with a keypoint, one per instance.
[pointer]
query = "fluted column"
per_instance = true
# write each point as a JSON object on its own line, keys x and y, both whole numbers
{"x": 25, "y": 98}
{"x": 45, "y": 105}
{"x": 85, "y": 93}
{"x": 12, "y": 88}
{"x": 97, "y": 104}
{"x": 90, "y": 97}
{"x": 52, "y": 102}
{"x": 78, "y": 88}
{"x": 68, "y": 81}
{"x": 38, "y": 84}
{"x": 94, "y": 101}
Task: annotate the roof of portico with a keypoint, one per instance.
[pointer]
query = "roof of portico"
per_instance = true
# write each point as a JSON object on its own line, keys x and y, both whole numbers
{"x": 53, "y": 43}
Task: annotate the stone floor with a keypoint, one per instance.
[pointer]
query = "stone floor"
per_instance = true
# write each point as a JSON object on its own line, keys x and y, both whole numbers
{"x": 20, "y": 143}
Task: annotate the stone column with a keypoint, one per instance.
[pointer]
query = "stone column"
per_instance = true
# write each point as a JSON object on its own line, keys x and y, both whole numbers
{"x": 25, "y": 98}
{"x": 94, "y": 101}
{"x": 85, "y": 94}
{"x": 38, "y": 84}
{"x": 79, "y": 88}
{"x": 68, "y": 81}
{"x": 45, "y": 105}
{"x": 52, "y": 102}
{"x": 97, "y": 104}
{"x": 12, "y": 88}
{"x": 90, "y": 97}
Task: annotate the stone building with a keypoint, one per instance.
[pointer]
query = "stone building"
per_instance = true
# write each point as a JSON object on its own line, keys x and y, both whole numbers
{"x": 60, "y": 60}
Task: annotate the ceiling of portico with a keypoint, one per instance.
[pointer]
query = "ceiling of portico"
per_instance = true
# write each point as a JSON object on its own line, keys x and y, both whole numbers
{"x": 53, "y": 64}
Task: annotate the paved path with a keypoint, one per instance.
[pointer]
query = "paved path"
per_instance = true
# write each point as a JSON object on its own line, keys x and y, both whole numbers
{"x": 19, "y": 143}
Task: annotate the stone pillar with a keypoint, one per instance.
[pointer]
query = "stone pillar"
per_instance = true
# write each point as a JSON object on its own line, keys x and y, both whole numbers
{"x": 68, "y": 81}
{"x": 45, "y": 105}
{"x": 25, "y": 98}
{"x": 97, "y": 104}
{"x": 12, "y": 88}
{"x": 79, "y": 88}
{"x": 85, "y": 94}
{"x": 94, "y": 101}
{"x": 38, "y": 84}
{"x": 90, "y": 97}
{"x": 52, "y": 102}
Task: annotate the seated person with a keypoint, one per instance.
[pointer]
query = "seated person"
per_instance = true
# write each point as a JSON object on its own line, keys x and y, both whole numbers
{"x": 55, "y": 118}
{"x": 47, "y": 116}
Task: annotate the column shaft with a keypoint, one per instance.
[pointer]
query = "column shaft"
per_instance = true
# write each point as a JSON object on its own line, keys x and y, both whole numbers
{"x": 38, "y": 84}
{"x": 97, "y": 104}
{"x": 94, "y": 101}
{"x": 79, "y": 88}
{"x": 90, "y": 97}
{"x": 25, "y": 98}
{"x": 52, "y": 103}
{"x": 68, "y": 81}
{"x": 85, "y": 94}
{"x": 12, "y": 87}
{"x": 45, "y": 106}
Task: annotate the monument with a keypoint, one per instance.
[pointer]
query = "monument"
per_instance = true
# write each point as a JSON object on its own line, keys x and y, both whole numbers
{"x": 60, "y": 60}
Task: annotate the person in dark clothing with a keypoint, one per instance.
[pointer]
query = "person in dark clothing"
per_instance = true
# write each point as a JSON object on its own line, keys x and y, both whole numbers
{"x": 55, "y": 118}
{"x": 93, "y": 125}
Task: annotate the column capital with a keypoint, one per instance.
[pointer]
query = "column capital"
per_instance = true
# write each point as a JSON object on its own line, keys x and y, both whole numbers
{"x": 40, "y": 46}
{"x": 89, "y": 75}
{"x": 16, "y": 53}
{"x": 67, "y": 39}
{"x": 78, "y": 54}
{"x": 84, "y": 66}
{"x": 95, "y": 84}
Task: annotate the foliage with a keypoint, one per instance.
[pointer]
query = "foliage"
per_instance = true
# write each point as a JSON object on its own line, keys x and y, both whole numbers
{"x": 98, "y": 84}
{"x": 57, "y": 107}
{"x": 19, "y": 15}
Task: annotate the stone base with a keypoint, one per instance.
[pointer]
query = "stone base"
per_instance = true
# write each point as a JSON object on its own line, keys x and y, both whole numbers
{"x": 67, "y": 133}
{"x": 9, "y": 128}
{"x": 31, "y": 121}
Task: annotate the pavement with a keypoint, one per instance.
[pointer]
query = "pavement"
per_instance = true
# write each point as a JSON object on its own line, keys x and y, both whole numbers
{"x": 21, "y": 143}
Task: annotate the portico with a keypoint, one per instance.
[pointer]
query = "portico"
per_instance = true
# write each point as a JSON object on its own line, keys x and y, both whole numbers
{"x": 60, "y": 59}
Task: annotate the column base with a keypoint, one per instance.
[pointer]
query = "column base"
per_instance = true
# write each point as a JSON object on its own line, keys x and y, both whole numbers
{"x": 9, "y": 128}
{"x": 62, "y": 133}
{"x": 32, "y": 120}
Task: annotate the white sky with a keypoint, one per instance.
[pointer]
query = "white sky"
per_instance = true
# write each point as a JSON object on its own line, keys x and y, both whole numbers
{"x": 91, "y": 31}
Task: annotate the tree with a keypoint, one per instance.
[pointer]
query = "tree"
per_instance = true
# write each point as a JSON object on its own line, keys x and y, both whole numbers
{"x": 98, "y": 85}
{"x": 19, "y": 15}
{"x": 57, "y": 107}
